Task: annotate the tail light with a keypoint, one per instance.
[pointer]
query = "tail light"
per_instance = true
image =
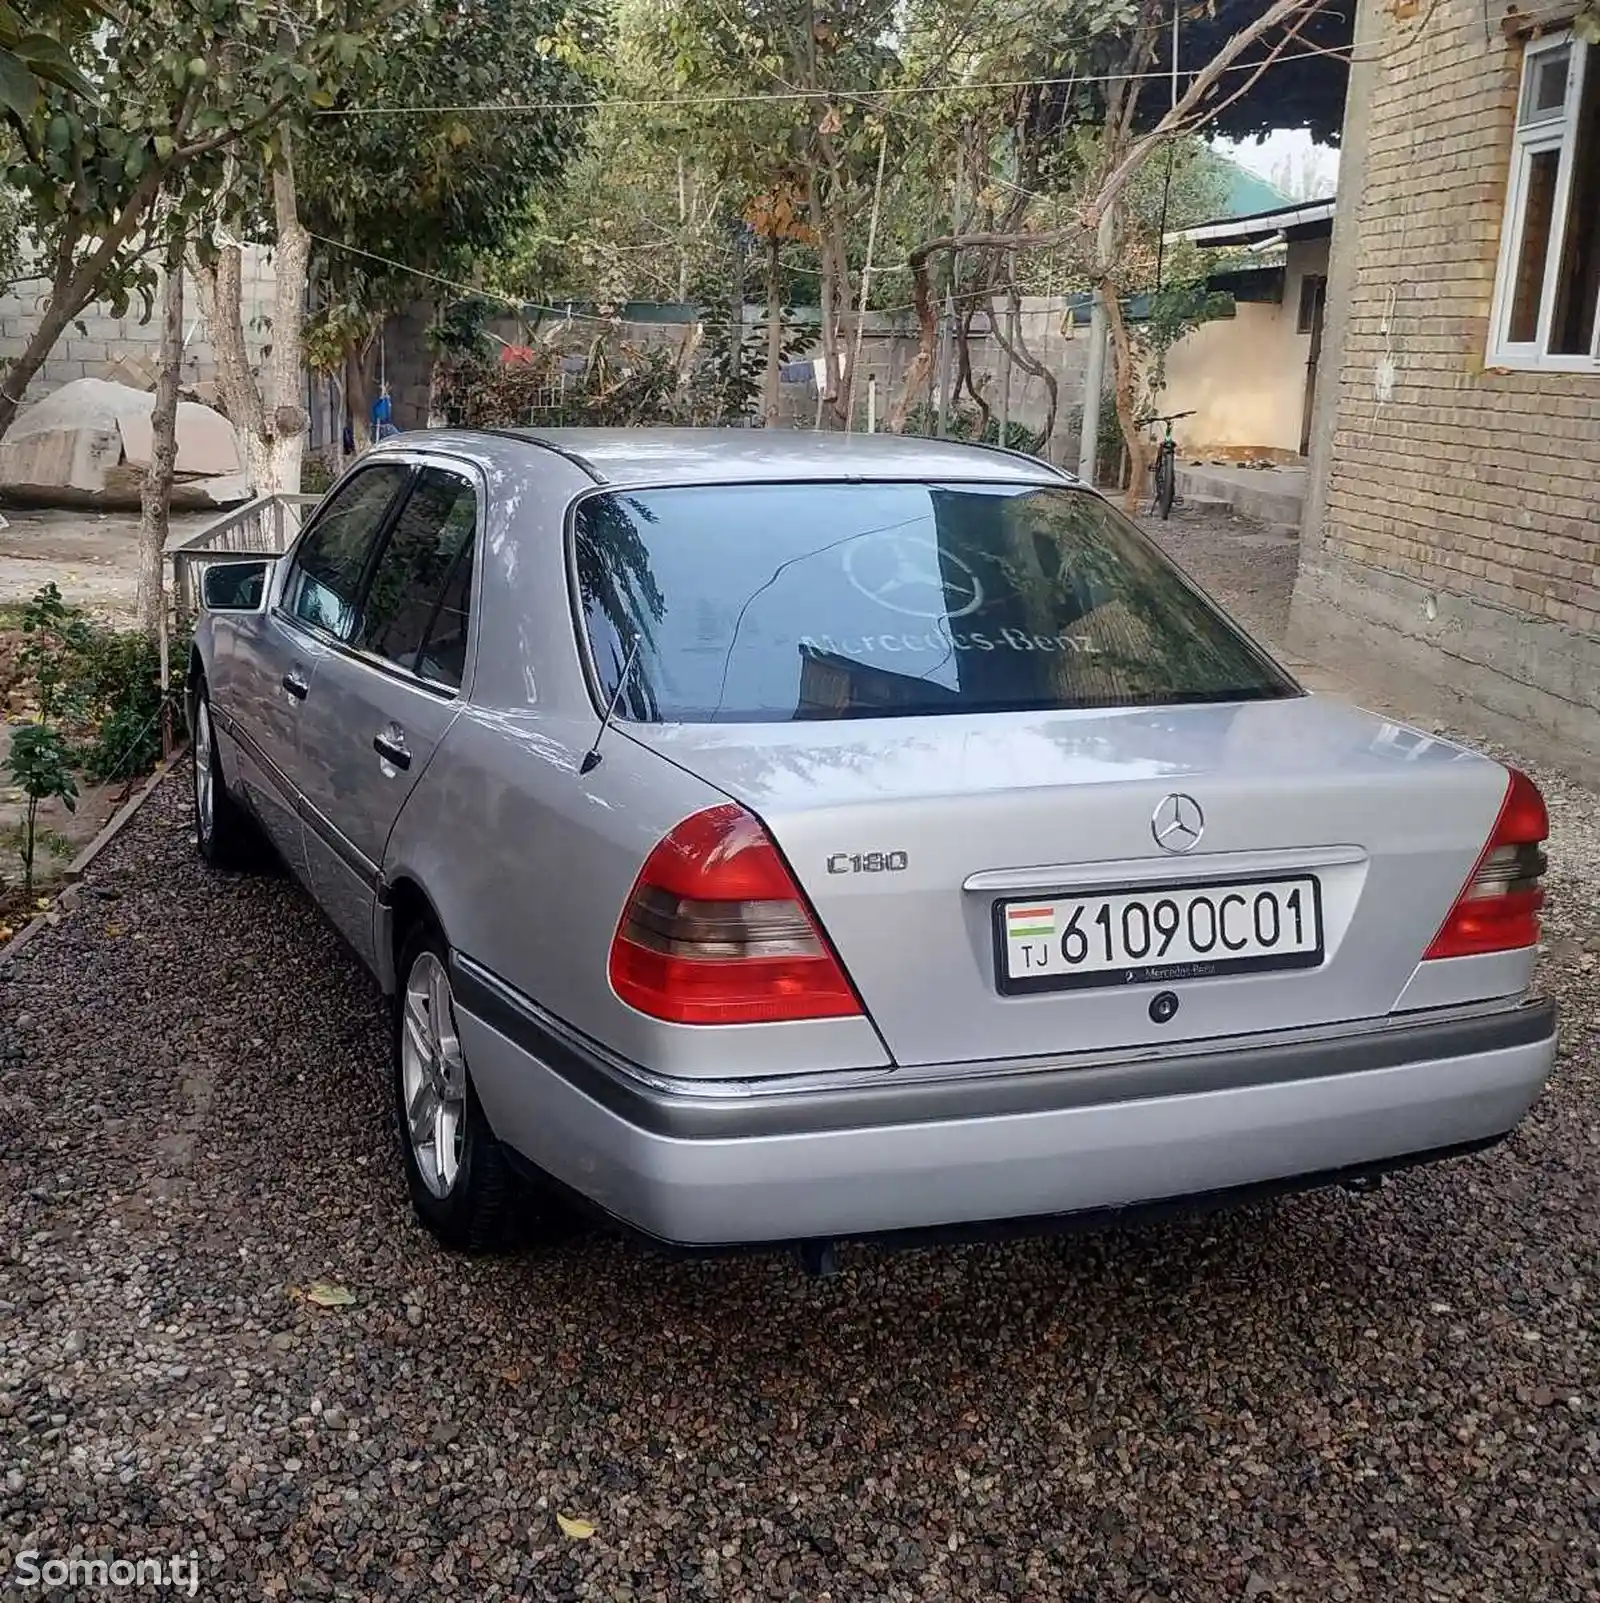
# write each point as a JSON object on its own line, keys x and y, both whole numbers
{"x": 716, "y": 931}
{"x": 1498, "y": 911}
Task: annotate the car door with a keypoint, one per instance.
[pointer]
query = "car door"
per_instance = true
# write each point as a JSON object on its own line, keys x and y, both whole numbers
{"x": 265, "y": 670}
{"x": 386, "y": 695}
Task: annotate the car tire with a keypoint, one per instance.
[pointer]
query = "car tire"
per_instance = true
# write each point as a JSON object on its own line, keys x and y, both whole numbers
{"x": 223, "y": 830}
{"x": 462, "y": 1188}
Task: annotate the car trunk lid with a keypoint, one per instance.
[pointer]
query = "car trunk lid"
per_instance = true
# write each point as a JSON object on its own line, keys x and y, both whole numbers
{"x": 908, "y": 835}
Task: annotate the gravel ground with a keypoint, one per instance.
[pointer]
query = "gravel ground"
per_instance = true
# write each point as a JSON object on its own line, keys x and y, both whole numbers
{"x": 1377, "y": 1398}
{"x": 1245, "y": 565}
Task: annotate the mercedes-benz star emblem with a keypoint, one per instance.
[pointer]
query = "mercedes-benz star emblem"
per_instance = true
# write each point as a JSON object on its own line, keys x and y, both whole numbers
{"x": 1178, "y": 823}
{"x": 910, "y": 576}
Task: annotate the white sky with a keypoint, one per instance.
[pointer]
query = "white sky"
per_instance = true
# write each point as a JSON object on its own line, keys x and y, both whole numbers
{"x": 1313, "y": 168}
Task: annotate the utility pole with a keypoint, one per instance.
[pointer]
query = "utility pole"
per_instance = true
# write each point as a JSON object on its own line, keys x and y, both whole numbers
{"x": 945, "y": 343}
{"x": 1094, "y": 372}
{"x": 1005, "y": 372}
{"x": 736, "y": 312}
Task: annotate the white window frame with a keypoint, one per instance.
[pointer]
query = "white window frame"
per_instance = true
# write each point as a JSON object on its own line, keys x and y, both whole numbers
{"x": 1560, "y": 134}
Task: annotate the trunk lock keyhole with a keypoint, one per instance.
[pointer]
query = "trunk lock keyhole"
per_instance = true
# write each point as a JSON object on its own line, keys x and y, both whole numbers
{"x": 1163, "y": 1008}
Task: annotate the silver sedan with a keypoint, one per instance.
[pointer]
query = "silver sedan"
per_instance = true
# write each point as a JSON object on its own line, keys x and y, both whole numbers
{"x": 779, "y": 838}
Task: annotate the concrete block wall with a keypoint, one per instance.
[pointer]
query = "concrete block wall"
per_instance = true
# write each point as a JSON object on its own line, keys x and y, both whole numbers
{"x": 1453, "y": 520}
{"x": 92, "y": 351}
{"x": 888, "y": 345}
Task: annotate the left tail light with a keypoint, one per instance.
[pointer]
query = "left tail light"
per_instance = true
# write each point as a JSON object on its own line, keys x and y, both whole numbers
{"x": 716, "y": 931}
{"x": 1498, "y": 910}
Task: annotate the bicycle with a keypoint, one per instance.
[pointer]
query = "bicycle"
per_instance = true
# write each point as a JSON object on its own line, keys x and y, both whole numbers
{"x": 1165, "y": 471}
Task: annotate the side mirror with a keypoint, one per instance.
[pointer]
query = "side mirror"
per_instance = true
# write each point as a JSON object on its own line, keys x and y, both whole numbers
{"x": 234, "y": 586}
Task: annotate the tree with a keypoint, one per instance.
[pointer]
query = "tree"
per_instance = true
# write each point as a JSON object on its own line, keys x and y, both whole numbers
{"x": 387, "y": 197}
{"x": 787, "y": 93}
{"x": 34, "y": 56}
{"x": 183, "y": 87}
{"x": 1091, "y": 231}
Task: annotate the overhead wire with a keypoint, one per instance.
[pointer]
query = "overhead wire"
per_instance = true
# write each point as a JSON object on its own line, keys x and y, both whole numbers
{"x": 821, "y": 96}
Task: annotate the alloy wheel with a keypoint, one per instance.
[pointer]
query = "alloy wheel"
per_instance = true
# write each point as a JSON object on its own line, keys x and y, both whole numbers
{"x": 433, "y": 1075}
{"x": 204, "y": 800}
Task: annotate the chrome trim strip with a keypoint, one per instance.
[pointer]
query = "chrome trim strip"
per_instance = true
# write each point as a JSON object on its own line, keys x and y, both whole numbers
{"x": 1135, "y": 870}
{"x": 350, "y": 855}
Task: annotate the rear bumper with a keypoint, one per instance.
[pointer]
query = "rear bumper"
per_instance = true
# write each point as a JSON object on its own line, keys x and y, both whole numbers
{"x": 711, "y": 1166}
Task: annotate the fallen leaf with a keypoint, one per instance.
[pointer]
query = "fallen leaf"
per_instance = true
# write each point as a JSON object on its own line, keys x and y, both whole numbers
{"x": 578, "y": 1530}
{"x": 327, "y": 1295}
{"x": 512, "y": 1376}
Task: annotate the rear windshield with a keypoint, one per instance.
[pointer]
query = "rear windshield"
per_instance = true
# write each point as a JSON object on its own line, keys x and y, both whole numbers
{"x": 773, "y": 602}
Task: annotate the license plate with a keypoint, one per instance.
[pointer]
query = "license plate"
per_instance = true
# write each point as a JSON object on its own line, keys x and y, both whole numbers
{"x": 1157, "y": 935}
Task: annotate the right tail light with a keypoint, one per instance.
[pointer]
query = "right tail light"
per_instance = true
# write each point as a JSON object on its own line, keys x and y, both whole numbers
{"x": 1498, "y": 910}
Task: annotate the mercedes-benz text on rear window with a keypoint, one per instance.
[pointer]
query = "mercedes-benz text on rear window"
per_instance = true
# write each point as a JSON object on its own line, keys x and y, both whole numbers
{"x": 771, "y": 602}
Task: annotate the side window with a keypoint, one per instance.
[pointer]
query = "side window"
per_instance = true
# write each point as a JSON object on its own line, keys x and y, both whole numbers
{"x": 1547, "y": 294}
{"x": 325, "y": 580}
{"x": 416, "y": 611}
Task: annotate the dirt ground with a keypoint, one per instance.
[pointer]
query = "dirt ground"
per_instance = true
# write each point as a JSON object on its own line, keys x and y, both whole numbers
{"x": 92, "y": 556}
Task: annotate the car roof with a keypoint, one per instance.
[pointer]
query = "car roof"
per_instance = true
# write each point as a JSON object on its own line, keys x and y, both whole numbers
{"x": 655, "y": 456}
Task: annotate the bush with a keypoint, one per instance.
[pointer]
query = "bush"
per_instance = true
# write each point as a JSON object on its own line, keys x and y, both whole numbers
{"x": 116, "y": 682}
{"x": 962, "y": 424}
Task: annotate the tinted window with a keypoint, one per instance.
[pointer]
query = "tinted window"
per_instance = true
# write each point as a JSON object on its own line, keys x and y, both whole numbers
{"x": 785, "y": 601}
{"x": 416, "y": 611}
{"x": 326, "y": 577}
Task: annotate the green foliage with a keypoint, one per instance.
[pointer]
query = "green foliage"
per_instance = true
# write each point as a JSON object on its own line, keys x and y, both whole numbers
{"x": 54, "y": 635}
{"x": 182, "y": 88}
{"x": 116, "y": 679}
{"x": 726, "y": 382}
{"x": 35, "y": 54}
{"x": 39, "y": 764}
{"x": 316, "y": 475}
{"x": 627, "y": 386}
{"x": 1176, "y": 310}
{"x": 439, "y": 191}
{"x": 98, "y": 694}
{"x": 459, "y": 333}
{"x": 961, "y": 423}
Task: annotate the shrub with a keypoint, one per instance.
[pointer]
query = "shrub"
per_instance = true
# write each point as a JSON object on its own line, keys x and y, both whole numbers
{"x": 116, "y": 681}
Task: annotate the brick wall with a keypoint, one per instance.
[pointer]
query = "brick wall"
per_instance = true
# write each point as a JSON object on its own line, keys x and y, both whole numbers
{"x": 92, "y": 351}
{"x": 1455, "y": 516}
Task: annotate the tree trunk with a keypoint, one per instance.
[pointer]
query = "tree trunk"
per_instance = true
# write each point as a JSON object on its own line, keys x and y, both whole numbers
{"x": 358, "y": 396}
{"x": 1125, "y": 377}
{"x": 291, "y": 259}
{"x": 838, "y": 301}
{"x": 770, "y": 391}
{"x": 271, "y": 419}
{"x": 155, "y": 494}
{"x": 920, "y": 368}
{"x": 19, "y": 375}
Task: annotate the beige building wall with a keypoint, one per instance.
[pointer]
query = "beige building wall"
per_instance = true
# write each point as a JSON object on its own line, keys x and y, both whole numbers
{"x": 1454, "y": 516}
{"x": 1245, "y": 376}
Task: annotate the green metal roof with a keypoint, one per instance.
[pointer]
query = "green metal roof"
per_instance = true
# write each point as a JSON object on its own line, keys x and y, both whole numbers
{"x": 1246, "y": 194}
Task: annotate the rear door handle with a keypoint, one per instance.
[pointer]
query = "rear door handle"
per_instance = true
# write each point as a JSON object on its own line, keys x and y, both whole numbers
{"x": 392, "y": 748}
{"x": 296, "y": 684}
